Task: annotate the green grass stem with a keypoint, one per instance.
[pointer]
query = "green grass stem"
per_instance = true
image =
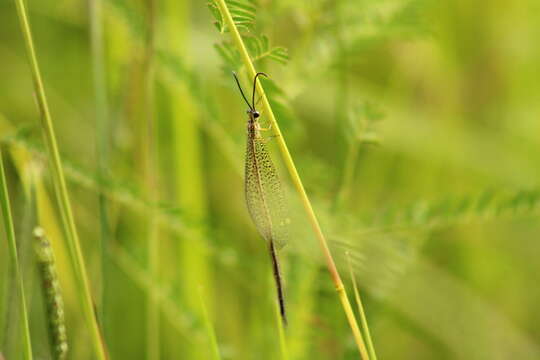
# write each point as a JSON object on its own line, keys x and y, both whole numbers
{"x": 151, "y": 181}
{"x": 281, "y": 331}
{"x": 189, "y": 158}
{"x": 363, "y": 319}
{"x": 102, "y": 144}
{"x": 209, "y": 328}
{"x": 75, "y": 252}
{"x": 10, "y": 233}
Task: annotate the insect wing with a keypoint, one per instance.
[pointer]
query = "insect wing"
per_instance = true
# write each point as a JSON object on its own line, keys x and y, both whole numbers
{"x": 264, "y": 195}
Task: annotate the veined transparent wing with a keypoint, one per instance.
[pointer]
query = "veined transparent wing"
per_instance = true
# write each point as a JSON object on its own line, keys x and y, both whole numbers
{"x": 264, "y": 196}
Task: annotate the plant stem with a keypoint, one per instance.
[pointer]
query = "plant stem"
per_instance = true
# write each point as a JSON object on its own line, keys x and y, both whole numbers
{"x": 102, "y": 145}
{"x": 363, "y": 319}
{"x": 75, "y": 252}
{"x": 342, "y": 99}
{"x": 188, "y": 157}
{"x": 336, "y": 279}
{"x": 151, "y": 180}
{"x": 10, "y": 233}
{"x": 281, "y": 330}
{"x": 209, "y": 328}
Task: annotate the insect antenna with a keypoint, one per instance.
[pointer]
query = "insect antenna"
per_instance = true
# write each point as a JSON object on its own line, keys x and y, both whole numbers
{"x": 255, "y": 88}
{"x": 242, "y": 92}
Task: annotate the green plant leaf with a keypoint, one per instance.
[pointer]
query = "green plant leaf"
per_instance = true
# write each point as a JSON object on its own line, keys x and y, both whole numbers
{"x": 242, "y": 12}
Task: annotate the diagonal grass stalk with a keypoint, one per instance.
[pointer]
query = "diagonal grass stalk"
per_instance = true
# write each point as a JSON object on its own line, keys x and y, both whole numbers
{"x": 10, "y": 233}
{"x": 363, "y": 319}
{"x": 75, "y": 252}
{"x": 297, "y": 182}
{"x": 25, "y": 217}
{"x": 209, "y": 328}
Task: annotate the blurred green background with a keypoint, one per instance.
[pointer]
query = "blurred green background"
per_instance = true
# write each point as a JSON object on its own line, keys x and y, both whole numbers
{"x": 414, "y": 125}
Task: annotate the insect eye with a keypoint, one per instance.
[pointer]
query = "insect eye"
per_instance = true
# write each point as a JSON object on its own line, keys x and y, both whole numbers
{"x": 256, "y": 114}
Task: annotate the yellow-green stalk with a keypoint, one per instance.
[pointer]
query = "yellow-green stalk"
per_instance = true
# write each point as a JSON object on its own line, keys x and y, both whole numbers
{"x": 209, "y": 328}
{"x": 297, "y": 182}
{"x": 151, "y": 181}
{"x": 76, "y": 256}
{"x": 188, "y": 156}
{"x": 102, "y": 144}
{"x": 281, "y": 331}
{"x": 363, "y": 319}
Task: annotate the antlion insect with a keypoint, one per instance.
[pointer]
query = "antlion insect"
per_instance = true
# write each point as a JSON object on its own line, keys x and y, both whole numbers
{"x": 264, "y": 195}
{"x": 51, "y": 294}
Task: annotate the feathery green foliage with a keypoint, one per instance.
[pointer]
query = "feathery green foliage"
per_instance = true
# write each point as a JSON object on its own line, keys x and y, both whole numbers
{"x": 242, "y": 11}
{"x": 243, "y": 14}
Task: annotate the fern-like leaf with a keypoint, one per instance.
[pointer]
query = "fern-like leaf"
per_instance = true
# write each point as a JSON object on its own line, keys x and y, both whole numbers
{"x": 242, "y": 12}
{"x": 229, "y": 55}
{"x": 259, "y": 48}
{"x": 486, "y": 206}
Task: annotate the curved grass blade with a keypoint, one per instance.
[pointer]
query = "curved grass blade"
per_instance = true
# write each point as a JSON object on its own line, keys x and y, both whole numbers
{"x": 14, "y": 258}
{"x": 57, "y": 174}
{"x": 361, "y": 312}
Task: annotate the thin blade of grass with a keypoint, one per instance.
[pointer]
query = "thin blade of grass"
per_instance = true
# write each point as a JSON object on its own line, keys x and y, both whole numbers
{"x": 281, "y": 331}
{"x": 102, "y": 146}
{"x": 151, "y": 179}
{"x": 209, "y": 328}
{"x": 10, "y": 234}
{"x": 363, "y": 319}
{"x": 77, "y": 260}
